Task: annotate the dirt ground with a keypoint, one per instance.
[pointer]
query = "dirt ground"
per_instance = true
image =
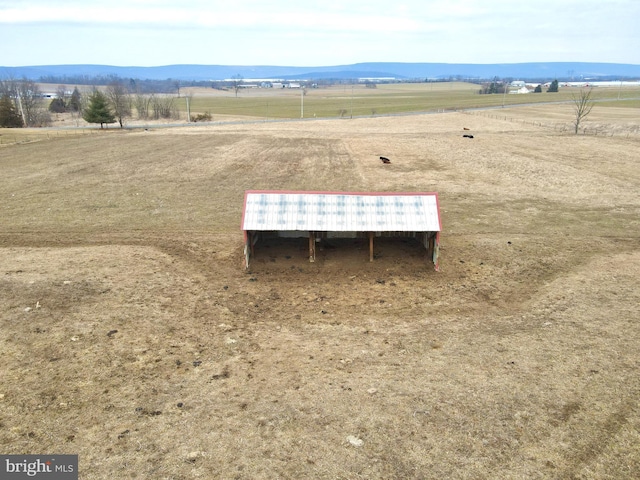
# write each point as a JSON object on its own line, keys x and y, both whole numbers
{"x": 133, "y": 336}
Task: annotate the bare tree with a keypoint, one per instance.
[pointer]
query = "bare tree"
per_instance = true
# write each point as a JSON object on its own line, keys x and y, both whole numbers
{"x": 582, "y": 105}
{"x": 142, "y": 104}
{"x": 120, "y": 101}
{"x": 164, "y": 107}
{"x": 61, "y": 92}
{"x": 33, "y": 105}
{"x": 28, "y": 95}
{"x": 236, "y": 81}
{"x": 27, "y": 100}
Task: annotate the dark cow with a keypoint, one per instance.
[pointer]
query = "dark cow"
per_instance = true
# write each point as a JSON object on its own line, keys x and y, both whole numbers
{"x": 385, "y": 160}
{"x": 467, "y": 136}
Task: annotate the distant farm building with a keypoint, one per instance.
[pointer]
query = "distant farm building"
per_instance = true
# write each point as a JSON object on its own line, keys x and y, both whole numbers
{"x": 318, "y": 216}
{"x": 376, "y": 79}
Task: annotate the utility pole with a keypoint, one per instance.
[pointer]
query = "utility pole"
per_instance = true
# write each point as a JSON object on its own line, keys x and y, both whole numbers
{"x": 352, "y": 100}
{"x": 619, "y": 88}
{"x": 301, "y": 102}
{"x": 24, "y": 120}
{"x": 504, "y": 93}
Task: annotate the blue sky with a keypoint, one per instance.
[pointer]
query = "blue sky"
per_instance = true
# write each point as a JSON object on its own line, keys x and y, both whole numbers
{"x": 316, "y": 33}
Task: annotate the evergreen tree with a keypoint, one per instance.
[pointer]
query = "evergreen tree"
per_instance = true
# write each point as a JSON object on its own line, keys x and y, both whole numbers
{"x": 57, "y": 106}
{"x": 9, "y": 117}
{"x": 98, "y": 110}
{"x": 75, "y": 104}
{"x": 553, "y": 88}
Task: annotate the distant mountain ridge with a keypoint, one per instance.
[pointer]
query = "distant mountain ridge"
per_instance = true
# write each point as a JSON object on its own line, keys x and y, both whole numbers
{"x": 400, "y": 71}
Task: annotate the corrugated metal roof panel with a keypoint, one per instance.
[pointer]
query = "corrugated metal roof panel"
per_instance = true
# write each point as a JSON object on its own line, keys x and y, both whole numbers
{"x": 341, "y": 211}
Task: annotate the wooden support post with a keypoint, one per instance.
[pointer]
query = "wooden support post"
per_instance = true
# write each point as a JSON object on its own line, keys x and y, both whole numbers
{"x": 248, "y": 248}
{"x": 371, "y": 246}
{"x": 436, "y": 251}
{"x": 312, "y": 247}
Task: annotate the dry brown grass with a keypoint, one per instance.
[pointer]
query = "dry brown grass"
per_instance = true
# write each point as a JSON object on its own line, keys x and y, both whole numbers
{"x": 133, "y": 337}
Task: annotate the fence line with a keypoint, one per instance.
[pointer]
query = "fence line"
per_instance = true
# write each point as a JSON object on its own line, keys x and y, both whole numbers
{"x": 606, "y": 130}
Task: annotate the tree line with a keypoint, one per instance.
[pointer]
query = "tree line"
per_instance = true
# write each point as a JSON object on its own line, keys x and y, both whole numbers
{"x": 22, "y": 104}
{"x": 116, "y": 103}
{"x": 168, "y": 85}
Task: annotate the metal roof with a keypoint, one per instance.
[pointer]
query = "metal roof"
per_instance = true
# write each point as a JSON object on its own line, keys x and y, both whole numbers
{"x": 341, "y": 211}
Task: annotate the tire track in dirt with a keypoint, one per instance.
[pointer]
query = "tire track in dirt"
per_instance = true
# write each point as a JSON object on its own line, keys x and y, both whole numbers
{"x": 585, "y": 455}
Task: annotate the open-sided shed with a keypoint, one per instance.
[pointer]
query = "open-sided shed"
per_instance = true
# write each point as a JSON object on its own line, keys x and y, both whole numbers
{"x": 320, "y": 215}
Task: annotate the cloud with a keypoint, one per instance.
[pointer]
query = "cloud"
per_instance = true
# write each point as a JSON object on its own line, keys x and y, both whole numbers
{"x": 322, "y": 32}
{"x": 239, "y": 16}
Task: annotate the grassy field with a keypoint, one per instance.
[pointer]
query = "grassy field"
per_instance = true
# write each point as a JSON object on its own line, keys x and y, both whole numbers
{"x": 345, "y": 101}
{"x": 133, "y": 336}
{"x": 357, "y": 100}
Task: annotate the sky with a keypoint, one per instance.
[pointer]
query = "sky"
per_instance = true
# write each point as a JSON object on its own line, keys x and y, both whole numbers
{"x": 316, "y": 33}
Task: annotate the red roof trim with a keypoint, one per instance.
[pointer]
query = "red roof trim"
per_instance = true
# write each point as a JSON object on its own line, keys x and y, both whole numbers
{"x": 320, "y": 192}
{"x": 437, "y": 209}
{"x": 244, "y": 211}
